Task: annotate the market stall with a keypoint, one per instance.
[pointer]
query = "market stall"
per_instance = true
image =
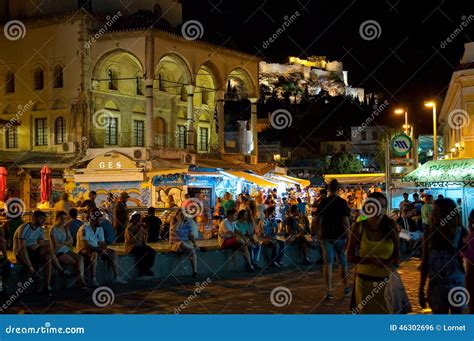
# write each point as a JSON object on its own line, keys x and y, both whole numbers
{"x": 251, "y": 182}
{"x": 452, "y": 178}
{"x": 357, "y": 179}
{"x": 110, "y": 173}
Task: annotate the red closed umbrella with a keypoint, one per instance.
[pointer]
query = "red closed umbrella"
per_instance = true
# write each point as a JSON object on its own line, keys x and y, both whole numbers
{"x": 3, "y": 183}
{"x": 46, "y": 183}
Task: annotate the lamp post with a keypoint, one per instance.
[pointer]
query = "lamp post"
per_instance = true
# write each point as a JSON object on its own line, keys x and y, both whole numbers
{"x": 401, "y": 111}
{"x": 432, "y": 104}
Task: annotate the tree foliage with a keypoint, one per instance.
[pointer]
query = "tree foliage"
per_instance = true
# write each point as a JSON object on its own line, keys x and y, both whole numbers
{"x": 344, "y": 163}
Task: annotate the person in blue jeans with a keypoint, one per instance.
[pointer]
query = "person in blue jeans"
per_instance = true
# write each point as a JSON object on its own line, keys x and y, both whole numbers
{"x": 442, "y": 263}
{"x": 332, "y": 224}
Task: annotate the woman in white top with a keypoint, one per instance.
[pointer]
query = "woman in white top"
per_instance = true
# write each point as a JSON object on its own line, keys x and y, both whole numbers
{"x": 61, "y": 240}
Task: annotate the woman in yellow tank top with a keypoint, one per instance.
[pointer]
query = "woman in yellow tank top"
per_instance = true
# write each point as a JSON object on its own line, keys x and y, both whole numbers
{"x": 373, "y": 246}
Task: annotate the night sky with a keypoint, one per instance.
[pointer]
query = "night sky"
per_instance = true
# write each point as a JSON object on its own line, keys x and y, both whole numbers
{"x": 406, "y": 62}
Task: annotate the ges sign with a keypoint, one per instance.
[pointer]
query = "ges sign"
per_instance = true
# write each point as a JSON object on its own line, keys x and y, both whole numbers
{"x": 110, "y": 165}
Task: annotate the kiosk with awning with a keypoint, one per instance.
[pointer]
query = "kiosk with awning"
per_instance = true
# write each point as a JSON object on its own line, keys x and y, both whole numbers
{"x": 452, "y": 178}
{"x": 357, "y": 179}
{"x": 112, "y": 172}
{"x": 251, "y": 182}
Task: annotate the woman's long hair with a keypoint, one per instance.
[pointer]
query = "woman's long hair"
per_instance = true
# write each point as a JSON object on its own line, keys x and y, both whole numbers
{"x": 445, "y": 219}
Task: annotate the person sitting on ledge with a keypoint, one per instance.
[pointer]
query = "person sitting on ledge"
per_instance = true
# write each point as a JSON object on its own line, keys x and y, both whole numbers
{"x": 295, "y": 235}
{"x": 91, "y": 244}
{"x": 32, "y": 250}
{"x": 135, "y": 244}
{"x": 266, "y": 234}
{"x": 182, "y": 239}
{"x": 152, "y": 225}
{"x": 4, "y": 263}
{"x": 229, "y": 239}
{"x": 61, "y": 240}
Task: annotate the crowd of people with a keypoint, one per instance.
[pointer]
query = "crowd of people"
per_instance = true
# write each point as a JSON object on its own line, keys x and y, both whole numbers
{"x": 332, "y": 220}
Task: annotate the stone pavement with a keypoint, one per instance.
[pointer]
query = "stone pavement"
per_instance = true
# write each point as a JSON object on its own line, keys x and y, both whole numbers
{"x": 297, "y": 291}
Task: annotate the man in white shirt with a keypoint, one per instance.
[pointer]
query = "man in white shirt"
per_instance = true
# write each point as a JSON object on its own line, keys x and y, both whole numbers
{"x": 91, "y": 244}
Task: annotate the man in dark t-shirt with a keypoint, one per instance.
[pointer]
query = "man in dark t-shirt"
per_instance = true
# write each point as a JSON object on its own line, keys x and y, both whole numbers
{"x": 294, "y": 234}
{"x": 332, "y": 224}
{"x": 152, "y": 225}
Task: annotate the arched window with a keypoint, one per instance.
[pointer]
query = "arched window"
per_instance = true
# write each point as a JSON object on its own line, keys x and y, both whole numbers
{"x": 9, "y": 82}
{"x": 58, "y": 78}
{"x": 38, "y": 79}
{"x": 181, "y": 137}
{"x": 113, "y": 79}
{"x": 159, "y": 130}
{"x": 139, "y": 85}
{"x": 60, "y": 130}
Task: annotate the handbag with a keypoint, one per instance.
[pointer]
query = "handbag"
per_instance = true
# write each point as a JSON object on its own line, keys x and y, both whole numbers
{"x": 396, "y": 296}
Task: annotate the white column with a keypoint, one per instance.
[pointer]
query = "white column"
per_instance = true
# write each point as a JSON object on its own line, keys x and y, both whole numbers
{"x": 253, "y": 125}
{"x": 243, "y": 136}
{"x": 220, "y": 120}
{"x": 150, "y": 63}
{"x": 190, "y": 118}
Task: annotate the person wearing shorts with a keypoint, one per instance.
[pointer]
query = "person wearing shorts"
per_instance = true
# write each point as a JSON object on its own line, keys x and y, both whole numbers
{"x": 182, "y": 239}
{"x": 91, "y": 244}
{"x": 332, "y": 224}
{"x": 32, "y": 250}
{"x": 229, "y": 239}
{"x": 61, "y": 241}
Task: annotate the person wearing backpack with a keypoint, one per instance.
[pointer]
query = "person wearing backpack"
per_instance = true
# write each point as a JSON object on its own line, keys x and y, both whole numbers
{"x": 442, "y": 264}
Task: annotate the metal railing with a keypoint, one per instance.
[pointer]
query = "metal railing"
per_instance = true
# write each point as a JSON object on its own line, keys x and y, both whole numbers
{"x": 101, "y": 140}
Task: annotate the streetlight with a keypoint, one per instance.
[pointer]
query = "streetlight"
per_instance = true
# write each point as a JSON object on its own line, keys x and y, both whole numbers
{"x": 432, "y": 104}
{"x": 401, "y": 111}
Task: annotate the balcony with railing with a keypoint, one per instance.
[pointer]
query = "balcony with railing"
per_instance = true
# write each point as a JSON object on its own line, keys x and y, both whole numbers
{"x": 101, "y": 140}
{"x": 163, "y": 140}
